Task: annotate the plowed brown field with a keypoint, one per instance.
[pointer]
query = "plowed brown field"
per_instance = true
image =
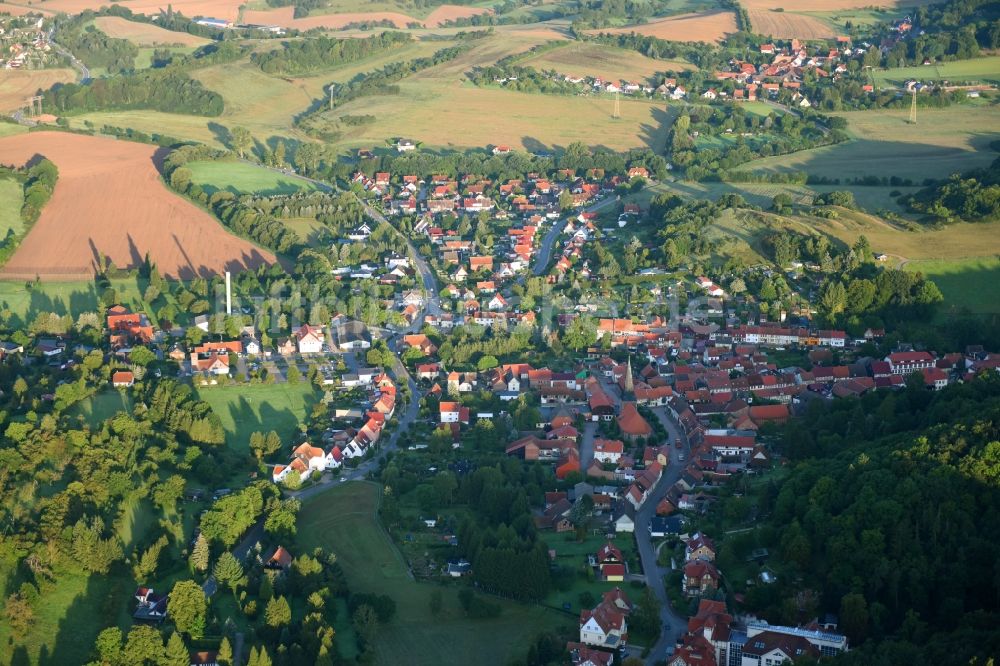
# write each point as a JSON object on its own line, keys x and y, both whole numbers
{"x": 109, "y": 201}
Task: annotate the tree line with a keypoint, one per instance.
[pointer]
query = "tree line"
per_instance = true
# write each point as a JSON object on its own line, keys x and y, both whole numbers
{"x": 973, "y": 197}
{"x": 308, "y": 55}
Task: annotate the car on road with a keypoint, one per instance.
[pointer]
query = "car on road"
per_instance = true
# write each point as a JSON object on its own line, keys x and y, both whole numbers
{"x": 677, "y": 443}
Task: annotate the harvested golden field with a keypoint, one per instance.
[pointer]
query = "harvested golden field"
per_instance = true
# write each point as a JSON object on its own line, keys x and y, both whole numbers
{"x": 589, "y": 59}
{"x": 785, "y": 25}
{"x": 110, "y": 202}
{"x": 224, "y": 9}
{"x": 701, "y": 27}
{"x": 144, "y": 34}
{"x": 16, "y": 85}
{"x": 445, "y": 13}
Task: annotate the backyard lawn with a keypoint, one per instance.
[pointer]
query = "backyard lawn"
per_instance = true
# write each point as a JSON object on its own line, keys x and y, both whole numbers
{"x": 245, "y": 409}
{"x": 342, "y": 520}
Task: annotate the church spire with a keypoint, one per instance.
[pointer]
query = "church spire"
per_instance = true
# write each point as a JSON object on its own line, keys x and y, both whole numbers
{"x": 629, "y": 385}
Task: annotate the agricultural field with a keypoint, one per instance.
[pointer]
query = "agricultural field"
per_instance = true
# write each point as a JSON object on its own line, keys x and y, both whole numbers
{"x": 145, "y": 34}
{"x": 710, "y": 26}
{"x": 243, "y": 178}
{"x": 789, "y": 25}
{"x": 17, "y": 85}
{"x": 944, "y": 141}
{"x": 453, "y": 116}
{"x": 11, "y": 198}
{"x": 324, "y": 18}
{"x": 224, "y": 9}
{"x": 981, "y": 70}
{"x": 342, "y": 520}
{"x": 588, "y": 59}
{"x": 110, "y": 202}
{"x": 828, "y": 5}
{"x": 245, "y": 409}
{"x": 972, "y": 283}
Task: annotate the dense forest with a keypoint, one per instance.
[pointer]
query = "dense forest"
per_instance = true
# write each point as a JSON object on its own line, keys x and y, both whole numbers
{"x": 164, "y": 90}
{"x": 298, "y": 57}
{"x": 970, "y": 197}
{"x": 890, "y": 514}
{"x": 95, "y": 48}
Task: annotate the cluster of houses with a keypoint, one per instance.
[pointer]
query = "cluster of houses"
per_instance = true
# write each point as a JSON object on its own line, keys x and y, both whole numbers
{"x": 714, "y": 637}
{"x": 786, "y": 71}
{"x": 24, "y": 46}
{"x": 352, "y": 442}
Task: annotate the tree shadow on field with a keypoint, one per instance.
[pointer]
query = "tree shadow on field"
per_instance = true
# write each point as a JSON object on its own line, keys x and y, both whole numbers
{"x": 221, "y": 134}
{"x": 98, "y": 606}
{"x": 655, "y": 136}
{"x": 159, "y": 157}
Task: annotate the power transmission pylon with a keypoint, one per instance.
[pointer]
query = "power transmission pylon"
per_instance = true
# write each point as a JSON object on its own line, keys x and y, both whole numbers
{"x": 913, "y": 107}
{"x": 331, "y": 97}
{"x": 31, "y": 105}
{"x": 618, "y": 110}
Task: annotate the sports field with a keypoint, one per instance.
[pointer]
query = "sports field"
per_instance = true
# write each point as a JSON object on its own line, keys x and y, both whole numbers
{"x": 245, "y": 409}
{"x": 243, "y": 178}
{"x": 944, "y": 141}
{"x": 342, "y": 520}
{"x": 589, "y": 59}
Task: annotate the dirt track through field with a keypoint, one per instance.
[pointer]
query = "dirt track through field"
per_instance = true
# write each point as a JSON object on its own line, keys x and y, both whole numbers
{"x": 110, "y": 201}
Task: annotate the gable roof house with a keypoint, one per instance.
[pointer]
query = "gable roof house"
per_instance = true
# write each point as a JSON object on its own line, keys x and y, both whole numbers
{"x": 309, "y": 339}
{"x": 604, "y": 626}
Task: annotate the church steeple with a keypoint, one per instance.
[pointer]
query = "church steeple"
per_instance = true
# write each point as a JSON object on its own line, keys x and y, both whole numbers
{"x": 629, "y": 385}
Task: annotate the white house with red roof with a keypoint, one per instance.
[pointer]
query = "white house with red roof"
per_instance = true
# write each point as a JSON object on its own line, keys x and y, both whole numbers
{"x": 608, "y": 450}
{"x": 604, "y": 626}
{"x": 309, "y": 339}
{"x": 903, "y": 363}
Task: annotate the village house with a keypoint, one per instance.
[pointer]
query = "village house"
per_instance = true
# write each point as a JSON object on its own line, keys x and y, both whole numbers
{"x": 309, "y": 339}
{"x": 604, "y": 626}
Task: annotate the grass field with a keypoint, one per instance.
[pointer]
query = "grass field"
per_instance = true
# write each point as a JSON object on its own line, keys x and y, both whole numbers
{"x": 248, "y": 409}
{"x": 264, "y": 104}
{"x": 62, "y": 297}
{"x": 589, "y": 59}
{"x": 11, "y": 198}
{"x": 310, "y": 230}
{"x": 985, "y": 70}
{"x": 342, "y": 520}
{"x": 972, "y": 283}
{"x": 243, "y": 178}
{"x": 944, "y": 141}
{"x": 102, "y": 406}
{"x": 455, "y": 116}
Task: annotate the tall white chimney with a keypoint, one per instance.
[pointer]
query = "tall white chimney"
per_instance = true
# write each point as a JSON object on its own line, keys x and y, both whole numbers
{"x": 229, "y": 294}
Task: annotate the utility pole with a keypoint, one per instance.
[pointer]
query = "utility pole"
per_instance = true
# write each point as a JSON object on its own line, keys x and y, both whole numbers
{"x": 331, "y": 97}
{"x": 617, "y": 114}
{"x": 913, "y": 106}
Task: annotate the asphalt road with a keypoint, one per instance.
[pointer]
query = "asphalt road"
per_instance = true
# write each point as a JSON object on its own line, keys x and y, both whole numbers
{"x": 545, "y": 251}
